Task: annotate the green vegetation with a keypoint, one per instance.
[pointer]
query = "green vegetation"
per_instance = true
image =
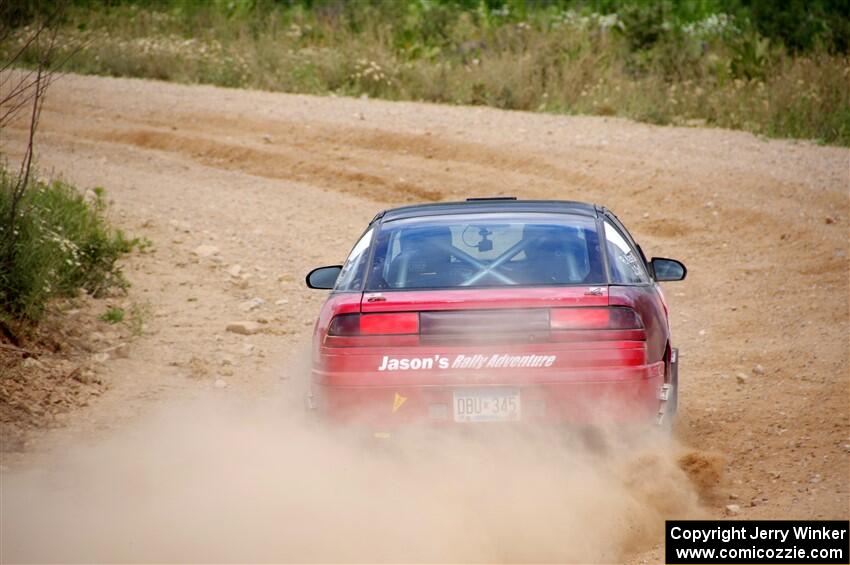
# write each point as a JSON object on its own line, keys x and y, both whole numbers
{"x": 113, "y": 315}
{"x": 60, "y": 242}
{"x": 139, "y": 314}
{"x": 772, "y": 68}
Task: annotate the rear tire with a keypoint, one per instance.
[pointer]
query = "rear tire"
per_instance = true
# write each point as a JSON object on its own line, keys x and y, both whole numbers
{"x": 671, "y": 407}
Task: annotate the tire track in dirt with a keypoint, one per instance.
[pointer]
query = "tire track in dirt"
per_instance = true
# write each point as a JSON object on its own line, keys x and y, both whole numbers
{"x": 326, "y": 144}
{"x": 292, "y": 166}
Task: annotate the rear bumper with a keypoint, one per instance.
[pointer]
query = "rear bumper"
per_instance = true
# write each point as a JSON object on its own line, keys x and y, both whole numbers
{"x": 582, "y": 396}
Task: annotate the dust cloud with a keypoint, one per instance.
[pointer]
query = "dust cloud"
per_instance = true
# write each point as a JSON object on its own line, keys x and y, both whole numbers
{"x": 223, "y": 478}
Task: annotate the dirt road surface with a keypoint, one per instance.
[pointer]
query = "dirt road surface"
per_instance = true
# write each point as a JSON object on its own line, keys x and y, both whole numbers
{"x": 281, "y": 183}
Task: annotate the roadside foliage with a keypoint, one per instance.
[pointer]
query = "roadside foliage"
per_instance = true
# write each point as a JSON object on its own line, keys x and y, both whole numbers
{"x": 778, "y": 71}
{"x": 59, "y": 243}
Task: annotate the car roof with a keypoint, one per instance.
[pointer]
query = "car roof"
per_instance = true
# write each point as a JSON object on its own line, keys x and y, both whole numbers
{"x": 489, "y": 205}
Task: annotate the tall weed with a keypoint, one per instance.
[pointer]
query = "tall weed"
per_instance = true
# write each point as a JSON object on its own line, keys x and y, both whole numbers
{"x": 59, "y": 243}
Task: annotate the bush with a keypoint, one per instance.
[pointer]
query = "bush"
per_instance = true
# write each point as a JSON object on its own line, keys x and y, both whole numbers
{"x": 59, "y": 243}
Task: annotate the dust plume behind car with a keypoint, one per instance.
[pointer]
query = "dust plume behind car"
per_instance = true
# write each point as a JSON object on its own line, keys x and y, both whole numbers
{"x": 225, "y": 477}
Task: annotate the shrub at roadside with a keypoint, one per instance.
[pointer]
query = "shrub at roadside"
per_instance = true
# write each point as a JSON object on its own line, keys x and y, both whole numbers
{"x": 60, "y": 243}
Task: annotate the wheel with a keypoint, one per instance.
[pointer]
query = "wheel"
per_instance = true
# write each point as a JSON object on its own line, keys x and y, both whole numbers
{"x": 671, "y": 404}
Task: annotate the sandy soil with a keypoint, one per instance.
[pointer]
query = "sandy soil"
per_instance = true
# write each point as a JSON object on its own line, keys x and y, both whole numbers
{"x": 281, "y": 183}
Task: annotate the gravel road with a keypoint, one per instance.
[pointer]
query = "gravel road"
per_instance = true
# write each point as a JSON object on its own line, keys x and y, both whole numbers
{"x": 243, "y": 192}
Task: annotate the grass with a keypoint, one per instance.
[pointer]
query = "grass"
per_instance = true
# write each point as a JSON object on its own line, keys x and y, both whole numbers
{"x": 60, "y": 243}
{"x": 113, "y": 315}
{"x": 664, "y": 63}
{"x": 139, "y": 314}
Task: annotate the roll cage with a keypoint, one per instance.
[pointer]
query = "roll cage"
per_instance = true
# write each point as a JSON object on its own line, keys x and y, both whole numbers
{"x": 485, "y": 269}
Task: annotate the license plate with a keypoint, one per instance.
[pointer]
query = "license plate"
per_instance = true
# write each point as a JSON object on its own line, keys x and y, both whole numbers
{"x": 487, "y": 405}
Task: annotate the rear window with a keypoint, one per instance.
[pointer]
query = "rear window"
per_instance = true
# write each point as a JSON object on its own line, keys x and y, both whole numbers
{"x": 486, "y": 251}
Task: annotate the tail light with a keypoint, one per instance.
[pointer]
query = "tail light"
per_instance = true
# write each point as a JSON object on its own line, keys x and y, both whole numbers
{"x": 407, "y": 323}
{"x": 398, "y": 323}
{"x": 594, "y": 319}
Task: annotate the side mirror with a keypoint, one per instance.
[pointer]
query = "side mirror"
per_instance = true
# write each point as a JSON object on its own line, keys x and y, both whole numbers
{"x": 668, "y": 269}
{"x": 323, "y": 277}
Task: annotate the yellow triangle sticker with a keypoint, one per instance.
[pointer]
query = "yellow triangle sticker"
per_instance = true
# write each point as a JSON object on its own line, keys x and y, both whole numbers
{"x": 398, "y": 401}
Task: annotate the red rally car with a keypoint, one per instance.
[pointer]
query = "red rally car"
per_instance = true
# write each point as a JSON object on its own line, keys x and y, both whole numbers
{"x": 494, "y": 310}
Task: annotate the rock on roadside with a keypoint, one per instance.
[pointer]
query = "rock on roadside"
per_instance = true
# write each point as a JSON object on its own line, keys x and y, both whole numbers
{"x": 120, "y": 351}
{"x": 206, "y": 251}
{"x": 243, "y": 328}
{"x": 252, "y": 304}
